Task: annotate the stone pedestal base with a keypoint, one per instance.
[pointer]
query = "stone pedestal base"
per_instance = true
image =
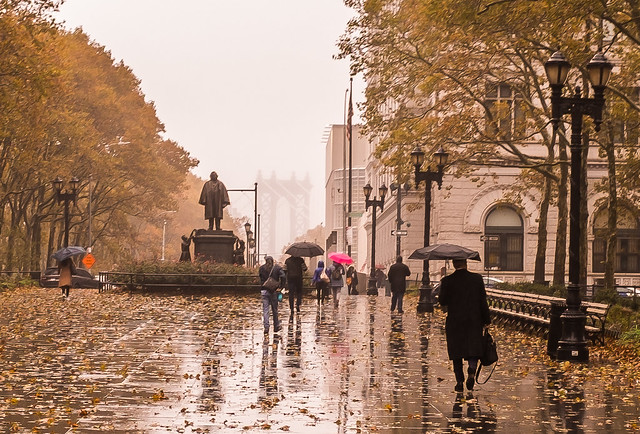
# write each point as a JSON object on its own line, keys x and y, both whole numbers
{"x": 213, "y": 246}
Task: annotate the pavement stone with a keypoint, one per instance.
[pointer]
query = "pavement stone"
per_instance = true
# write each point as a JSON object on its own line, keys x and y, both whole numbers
{"x": 138, "y": 363}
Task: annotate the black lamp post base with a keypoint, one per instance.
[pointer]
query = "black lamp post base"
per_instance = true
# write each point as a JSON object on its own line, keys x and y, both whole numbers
{"x": 425, "y": 304}
{"x": 573, "y": 346}
{"x": 572, "y": 352}
{"x": 372, "y": 289}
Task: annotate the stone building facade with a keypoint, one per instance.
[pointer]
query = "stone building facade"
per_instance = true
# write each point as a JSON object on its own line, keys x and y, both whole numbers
{"x": 480, "y": 215}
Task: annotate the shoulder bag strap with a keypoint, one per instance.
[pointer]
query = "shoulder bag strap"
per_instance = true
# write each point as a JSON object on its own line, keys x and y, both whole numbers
{"x": 478, "y": 373}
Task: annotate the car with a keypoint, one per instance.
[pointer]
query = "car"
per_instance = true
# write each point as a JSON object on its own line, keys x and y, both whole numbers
{"x": 628, "y": 291}
{"x": 491, "y": 282}
{"x": 81, "y": 278}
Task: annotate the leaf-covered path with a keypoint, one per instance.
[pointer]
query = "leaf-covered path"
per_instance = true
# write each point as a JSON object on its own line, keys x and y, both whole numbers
{"x": 119, "y": 362}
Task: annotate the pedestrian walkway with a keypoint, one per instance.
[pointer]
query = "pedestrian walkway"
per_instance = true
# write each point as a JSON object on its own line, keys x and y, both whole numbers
{"x": 132, "y": 363}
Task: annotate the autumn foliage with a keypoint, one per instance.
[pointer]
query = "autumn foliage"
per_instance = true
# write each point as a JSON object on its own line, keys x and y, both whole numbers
{"x": 69, "y": 109}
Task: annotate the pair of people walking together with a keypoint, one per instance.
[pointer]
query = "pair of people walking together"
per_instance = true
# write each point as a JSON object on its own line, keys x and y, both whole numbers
{"x": 329, "y": 278}
{"x": 290, "y": 276}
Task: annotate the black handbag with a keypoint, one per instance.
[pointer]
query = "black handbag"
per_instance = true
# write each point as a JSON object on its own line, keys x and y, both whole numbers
{"x": 489, "y": 355}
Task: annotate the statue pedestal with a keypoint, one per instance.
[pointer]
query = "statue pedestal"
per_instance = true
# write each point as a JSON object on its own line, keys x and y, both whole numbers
{"x": 213, "y": 246}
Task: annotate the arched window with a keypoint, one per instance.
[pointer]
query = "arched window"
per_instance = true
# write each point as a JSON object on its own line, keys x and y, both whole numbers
{"x": 504, "y": 235}
{"x": 628, "y": 246}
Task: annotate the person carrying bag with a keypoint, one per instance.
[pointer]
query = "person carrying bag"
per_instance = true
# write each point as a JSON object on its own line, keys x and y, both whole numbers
{"x": 271, "y": 278}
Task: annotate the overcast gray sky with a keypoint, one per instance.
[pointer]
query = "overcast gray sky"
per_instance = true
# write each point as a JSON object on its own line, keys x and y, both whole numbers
{"x": 242, "y": 85}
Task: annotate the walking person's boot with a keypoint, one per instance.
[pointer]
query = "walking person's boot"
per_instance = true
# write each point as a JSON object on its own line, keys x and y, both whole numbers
{"x": 459, "y": 373}
{"x": 470, "y": 379}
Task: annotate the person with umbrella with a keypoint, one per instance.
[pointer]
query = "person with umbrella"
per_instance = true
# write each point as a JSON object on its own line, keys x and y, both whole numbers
{"x": 66, "y": 270}
{"x": 294, "y": 268}
{"x": 66, "y": 267}
{"x": 464, "y": 296}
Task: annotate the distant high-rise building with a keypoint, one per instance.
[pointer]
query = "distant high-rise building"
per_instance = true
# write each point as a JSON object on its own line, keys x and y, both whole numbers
{"x": 337, "y": 188}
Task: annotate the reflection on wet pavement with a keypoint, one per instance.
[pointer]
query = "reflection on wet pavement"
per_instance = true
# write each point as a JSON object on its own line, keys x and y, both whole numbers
{"x": 116, "y": 362}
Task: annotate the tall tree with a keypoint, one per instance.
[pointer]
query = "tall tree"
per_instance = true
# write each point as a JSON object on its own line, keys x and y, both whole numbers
{"x": 70, "y": 110}
{"x": 432, "y": 69}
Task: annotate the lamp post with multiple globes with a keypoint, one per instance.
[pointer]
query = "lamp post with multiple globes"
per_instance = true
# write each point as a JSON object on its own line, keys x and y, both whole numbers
{"x": 66, "y": 196}
{"x": 372, "y": 289}
{"x": 572, "y": 345}
{"x": 425, "y": 303}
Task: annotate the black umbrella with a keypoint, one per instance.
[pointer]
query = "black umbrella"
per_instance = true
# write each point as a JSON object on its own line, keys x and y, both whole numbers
{"x": 445, "y": 251}
{"x": 68, "y": 252}
{"x": 304, "y": 248}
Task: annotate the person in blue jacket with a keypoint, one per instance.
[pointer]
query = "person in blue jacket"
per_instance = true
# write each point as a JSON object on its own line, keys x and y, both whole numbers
{"x": 322, "y": 286}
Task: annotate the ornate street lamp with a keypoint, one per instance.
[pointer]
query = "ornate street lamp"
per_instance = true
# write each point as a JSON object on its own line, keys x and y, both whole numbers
{"x": 372, "y": 289}
{"x": 425, "y": 304}
{"x": 66, "y": 196}
{"x": 572, "y": 345}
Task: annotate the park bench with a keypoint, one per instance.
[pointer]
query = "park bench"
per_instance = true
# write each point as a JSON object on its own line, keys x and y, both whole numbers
{"x": 534, "y": 311}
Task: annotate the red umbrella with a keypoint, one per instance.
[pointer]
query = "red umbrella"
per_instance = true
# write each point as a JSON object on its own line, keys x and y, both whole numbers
{"x": 340, "y": 258}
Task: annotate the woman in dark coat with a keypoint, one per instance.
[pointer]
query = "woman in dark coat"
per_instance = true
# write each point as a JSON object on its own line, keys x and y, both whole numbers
{"x": 464, "y": 296}
{"x": 352, "y": 281}
{"x": 66, "y": 270}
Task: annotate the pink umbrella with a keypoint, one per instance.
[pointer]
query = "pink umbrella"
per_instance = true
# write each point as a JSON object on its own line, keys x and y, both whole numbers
{"x": 340, "y": 258}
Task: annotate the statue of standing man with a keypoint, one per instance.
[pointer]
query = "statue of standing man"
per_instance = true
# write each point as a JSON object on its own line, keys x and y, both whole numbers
{"x": 214, "y": 197}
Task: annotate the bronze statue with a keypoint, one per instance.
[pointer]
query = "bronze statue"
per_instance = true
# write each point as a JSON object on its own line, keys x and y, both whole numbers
{"x": 214, "y": 197}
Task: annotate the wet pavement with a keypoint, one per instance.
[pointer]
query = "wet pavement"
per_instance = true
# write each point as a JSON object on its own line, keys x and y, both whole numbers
{"x": 133, "y": 363}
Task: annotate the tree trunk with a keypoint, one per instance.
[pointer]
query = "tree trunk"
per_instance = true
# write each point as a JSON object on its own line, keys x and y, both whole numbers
{"x": 612, "y": 240}
{"x": 541, "y": 252}
{"x": 36, "y": 245}
{"x": 50, "y": 243}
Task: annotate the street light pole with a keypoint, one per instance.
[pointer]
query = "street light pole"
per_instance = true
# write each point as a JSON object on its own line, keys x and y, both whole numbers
{"x": 572, "y": 345}
{"x": 425, "y": 304}
{"x": 399, "y": 221}
{"x": 372, "y": 289}
{"x": 66, "y": 196}
{"x": 164, "y": 231}
{"x": 256, "y": 218}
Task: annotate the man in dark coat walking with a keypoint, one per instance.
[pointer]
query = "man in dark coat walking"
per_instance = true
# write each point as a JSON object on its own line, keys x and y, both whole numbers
{"x": 294, "y": 268}
{"x": 397, "y": 276}
{"x": 464, "y": 296}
